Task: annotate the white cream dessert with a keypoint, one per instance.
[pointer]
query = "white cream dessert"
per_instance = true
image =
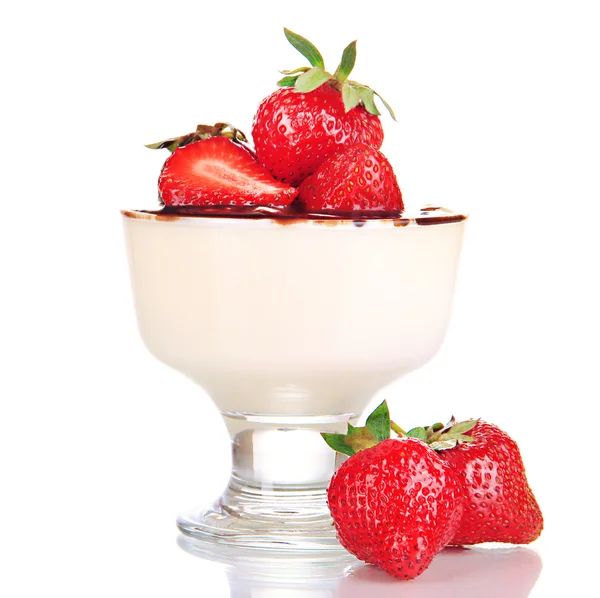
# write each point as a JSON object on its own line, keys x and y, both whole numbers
{"x": 297, "y": 317}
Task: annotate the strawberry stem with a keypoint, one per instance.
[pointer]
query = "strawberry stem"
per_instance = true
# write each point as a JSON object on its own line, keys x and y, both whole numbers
{"x": 396, "y": 428}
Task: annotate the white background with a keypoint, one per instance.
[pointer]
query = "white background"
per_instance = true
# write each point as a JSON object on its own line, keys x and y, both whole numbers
{"x": 100, "y": 445}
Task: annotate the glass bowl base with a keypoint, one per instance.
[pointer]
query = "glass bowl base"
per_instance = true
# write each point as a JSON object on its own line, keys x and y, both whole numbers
{"x": 220, "y": 526}
{"x": 276, "y": 497}
{"x": 274, "y": 519}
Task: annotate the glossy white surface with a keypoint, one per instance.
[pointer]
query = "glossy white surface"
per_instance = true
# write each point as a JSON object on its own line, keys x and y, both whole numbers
{"x": 100, "y": 447}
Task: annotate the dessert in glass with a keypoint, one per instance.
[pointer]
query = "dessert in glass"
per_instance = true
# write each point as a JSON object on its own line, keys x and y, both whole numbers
{"x": 291, "y": 326}
{"x": 289, "y": 282}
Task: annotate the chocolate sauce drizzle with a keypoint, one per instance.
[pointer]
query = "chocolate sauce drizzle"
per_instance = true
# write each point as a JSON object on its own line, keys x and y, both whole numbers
{"x": 428, "y": 215}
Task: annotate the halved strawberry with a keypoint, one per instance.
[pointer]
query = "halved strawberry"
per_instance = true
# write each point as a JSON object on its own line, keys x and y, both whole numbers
{"x": 213, "y": 167}
{"x": 357, "y": 180}
{"x": 219, "y": 172}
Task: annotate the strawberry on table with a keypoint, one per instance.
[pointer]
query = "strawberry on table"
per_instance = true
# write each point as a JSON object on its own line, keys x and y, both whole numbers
{"x": 499, "y": 504}
{"x": 358, "y": 179}
{"x": 394, "y": 502}
{"x": 314, "y": 115}
{"x": 212, "y": 167}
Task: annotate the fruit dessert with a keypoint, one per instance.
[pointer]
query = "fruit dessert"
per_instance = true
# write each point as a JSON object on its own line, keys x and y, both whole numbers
{"x": 396, "y": 502}
{"x": 316, "y": 164}
{"x": 301, "y": 239}
{"x": 285, "y": 277}
{"x": 317, "y": 146}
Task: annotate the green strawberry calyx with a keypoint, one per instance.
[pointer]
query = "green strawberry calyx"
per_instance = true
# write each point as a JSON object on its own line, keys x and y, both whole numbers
{"x": 202, "y": 132}
{"x": 305, "y": 79}
{"x": 376, "y": 428}
{"x": 379, "y": 426}
{"x": 444, "y": 436}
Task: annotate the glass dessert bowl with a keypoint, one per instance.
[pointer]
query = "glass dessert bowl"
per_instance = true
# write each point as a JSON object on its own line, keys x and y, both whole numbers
{"x": 291, "y": 326}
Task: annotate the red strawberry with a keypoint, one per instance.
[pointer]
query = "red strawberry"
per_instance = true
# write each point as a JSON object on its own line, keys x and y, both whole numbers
{"x": 316, "y": 114}
{"x": 208, "y": 170}
{"x": 294, "y": 133}
{"x": 359, "y": 179}
{"x": 499, "y": 504}
{"x": 395, "y": 503}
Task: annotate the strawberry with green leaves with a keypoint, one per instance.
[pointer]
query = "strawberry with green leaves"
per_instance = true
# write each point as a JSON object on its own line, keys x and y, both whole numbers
{"x": 394, "y": 502}
{"x": 314, "y": 115}
{"x": 214, "y": 168}
{"x": 465, "y": 477}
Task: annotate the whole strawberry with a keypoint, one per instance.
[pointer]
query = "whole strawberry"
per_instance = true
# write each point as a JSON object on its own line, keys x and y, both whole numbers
{"x": 499, "y": 504}
{"x": 314, "y": 116}
{"x": 394, "y": 502}
{"x": 357, "y": 180}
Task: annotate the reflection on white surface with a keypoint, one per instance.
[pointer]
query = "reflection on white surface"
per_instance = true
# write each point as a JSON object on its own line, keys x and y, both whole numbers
{"x": 466, "y": 572}
{"x": 507, "y": 572}
{"x": 271, "y": 574}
